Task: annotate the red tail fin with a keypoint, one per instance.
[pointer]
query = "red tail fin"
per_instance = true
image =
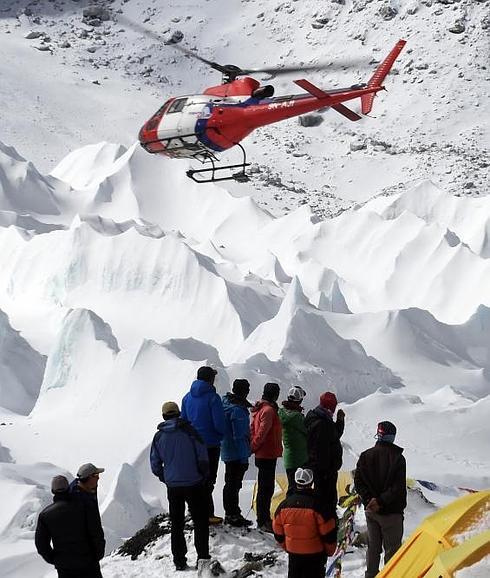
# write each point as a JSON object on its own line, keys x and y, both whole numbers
{"x": 379, "y": 75}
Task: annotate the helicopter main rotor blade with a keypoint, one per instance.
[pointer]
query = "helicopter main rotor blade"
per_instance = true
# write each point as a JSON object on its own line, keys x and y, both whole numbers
{"x": 172, "y": 41}
{"x": 276, "y": 70}
{"x": 231, "y": 71}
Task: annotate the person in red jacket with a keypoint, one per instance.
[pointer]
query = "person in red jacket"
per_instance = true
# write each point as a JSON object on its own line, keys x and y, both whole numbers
{"x": 266, "y": 439}
{"x": 301, "y": 529}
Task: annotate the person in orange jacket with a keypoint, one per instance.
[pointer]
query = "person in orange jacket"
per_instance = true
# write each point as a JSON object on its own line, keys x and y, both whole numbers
{"x": 266, "y": 441}
{"x": 301, "y": 529}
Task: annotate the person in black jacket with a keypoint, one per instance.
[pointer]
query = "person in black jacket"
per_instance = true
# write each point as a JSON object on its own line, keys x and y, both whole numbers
{"x": 68, "y": 534}
{"x": 380, "y": 480}
{"x": 325, "y": 450}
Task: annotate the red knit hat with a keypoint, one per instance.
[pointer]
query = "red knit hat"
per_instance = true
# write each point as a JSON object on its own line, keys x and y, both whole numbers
{"x": 328, "y": 401}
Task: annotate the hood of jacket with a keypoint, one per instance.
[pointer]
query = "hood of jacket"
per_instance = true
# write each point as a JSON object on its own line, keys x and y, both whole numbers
{"x": 394, "y": 447}
{"x": 288, "y": 415}
{"x": 260, "y": 404}
{"x": 200, "y": 388}
{"x": 170, "y": 425}
{"x": 231, "y": 400}
{"x": 320, "y": 413}
{"x": 292, "y": 405}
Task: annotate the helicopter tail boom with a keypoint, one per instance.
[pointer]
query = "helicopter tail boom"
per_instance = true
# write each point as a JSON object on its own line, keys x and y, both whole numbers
{"x": 376, "y": 80}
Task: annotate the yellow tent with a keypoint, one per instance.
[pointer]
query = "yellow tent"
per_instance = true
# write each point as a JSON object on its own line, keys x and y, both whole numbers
{"x": 344, "y": 480}
{"x": 466, "y": 554}
{"x": 436, "y": 535}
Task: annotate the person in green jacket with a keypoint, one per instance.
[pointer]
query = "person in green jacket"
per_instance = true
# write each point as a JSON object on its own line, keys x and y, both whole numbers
{"x": 293, "y": 434}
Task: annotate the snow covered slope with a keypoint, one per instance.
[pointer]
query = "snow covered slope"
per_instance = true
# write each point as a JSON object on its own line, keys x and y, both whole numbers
{"x": 115, "y": 289}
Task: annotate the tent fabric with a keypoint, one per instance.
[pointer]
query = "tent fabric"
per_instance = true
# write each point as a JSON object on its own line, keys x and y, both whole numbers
{"x": 466, "y": 554}
{"x": 436, "y": 535}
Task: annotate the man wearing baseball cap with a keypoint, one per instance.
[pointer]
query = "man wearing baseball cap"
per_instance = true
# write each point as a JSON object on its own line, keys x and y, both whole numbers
{"x": 84, "y": 489}
{"x": 68, "y": 536}
{"x": 178, "y": 458}
{"x": 85, "y": 484}
{"x": 380, "y": 480}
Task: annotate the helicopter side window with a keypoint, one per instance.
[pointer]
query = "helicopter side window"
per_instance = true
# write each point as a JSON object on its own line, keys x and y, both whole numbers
{"x": 177, "y": 105}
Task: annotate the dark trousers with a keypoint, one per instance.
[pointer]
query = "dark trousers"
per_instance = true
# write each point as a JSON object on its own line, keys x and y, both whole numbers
{"x": 234, "y": 472}
{"x": 196, "y": 499}
{"x": 326, "y": 492}
{"x": 213, "y": 457}
{"x": 265, "y": 488}
{"x": 307, "y": 565}
{"x": 92, "y": 572}
{"x": 385, "y": 531}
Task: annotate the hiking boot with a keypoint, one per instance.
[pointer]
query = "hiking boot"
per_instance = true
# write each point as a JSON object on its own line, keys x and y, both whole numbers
{"x": 181, "y": 565}
{"x": 266, "y": 527}
{"x": 237, "y": 521}
{"x": 215, "y": 520}
{"x": 209, "y": 567}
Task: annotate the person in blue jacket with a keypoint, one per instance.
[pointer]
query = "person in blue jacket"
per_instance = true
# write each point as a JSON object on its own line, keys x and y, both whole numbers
{"x": 203, "y": 408}
{"x": 179, "y": 459}
{"x": 235, "y": 449}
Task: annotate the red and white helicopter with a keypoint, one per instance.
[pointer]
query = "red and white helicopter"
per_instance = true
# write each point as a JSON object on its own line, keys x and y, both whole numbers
{"x": 199, "y": 126}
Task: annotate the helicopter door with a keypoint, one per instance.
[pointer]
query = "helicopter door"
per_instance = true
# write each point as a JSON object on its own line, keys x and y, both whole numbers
{"x": 172, "y": 119}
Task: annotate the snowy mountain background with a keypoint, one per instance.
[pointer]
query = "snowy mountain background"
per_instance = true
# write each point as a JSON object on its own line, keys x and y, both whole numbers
{"x": 120, "y": 277}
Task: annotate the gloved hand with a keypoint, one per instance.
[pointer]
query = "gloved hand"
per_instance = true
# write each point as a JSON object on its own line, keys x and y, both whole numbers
{"x": 373, "y": 505}
{"x": 341, "y": 414}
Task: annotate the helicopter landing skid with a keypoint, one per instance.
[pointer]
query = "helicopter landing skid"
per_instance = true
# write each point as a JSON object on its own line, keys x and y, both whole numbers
{"x": 240, "y": 176}
{"x": 210, "y": 175}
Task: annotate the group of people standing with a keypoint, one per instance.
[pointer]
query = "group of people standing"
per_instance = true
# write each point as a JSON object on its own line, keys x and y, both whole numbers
{"x": 185, "y": 454}
{"x": 187, "y": 447}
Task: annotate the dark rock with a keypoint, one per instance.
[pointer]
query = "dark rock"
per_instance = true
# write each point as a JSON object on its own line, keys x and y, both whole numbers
{"x": 33, "y": 34}
{"x": 358, "y": 145}
{"x": 95, "y": 11}
{"x": 155, "y": 528}
{"x": 387, "y": 12}
{"x": 458, "y": 27}
{"x": 176, "y": 37}
{"x": 309, "y": 120}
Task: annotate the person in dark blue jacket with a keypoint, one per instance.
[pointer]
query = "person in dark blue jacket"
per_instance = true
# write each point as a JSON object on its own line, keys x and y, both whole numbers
{"x": 203, "y": 408}
{"x": 235, "y": 449}
{"x": 179, "y": 459}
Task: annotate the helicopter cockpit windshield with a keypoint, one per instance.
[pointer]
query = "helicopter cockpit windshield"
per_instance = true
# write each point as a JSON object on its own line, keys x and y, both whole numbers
{"x": 177, "y": 105}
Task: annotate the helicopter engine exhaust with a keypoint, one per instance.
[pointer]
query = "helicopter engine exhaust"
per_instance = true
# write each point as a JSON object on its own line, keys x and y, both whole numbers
{"x": 263, "y": 92}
